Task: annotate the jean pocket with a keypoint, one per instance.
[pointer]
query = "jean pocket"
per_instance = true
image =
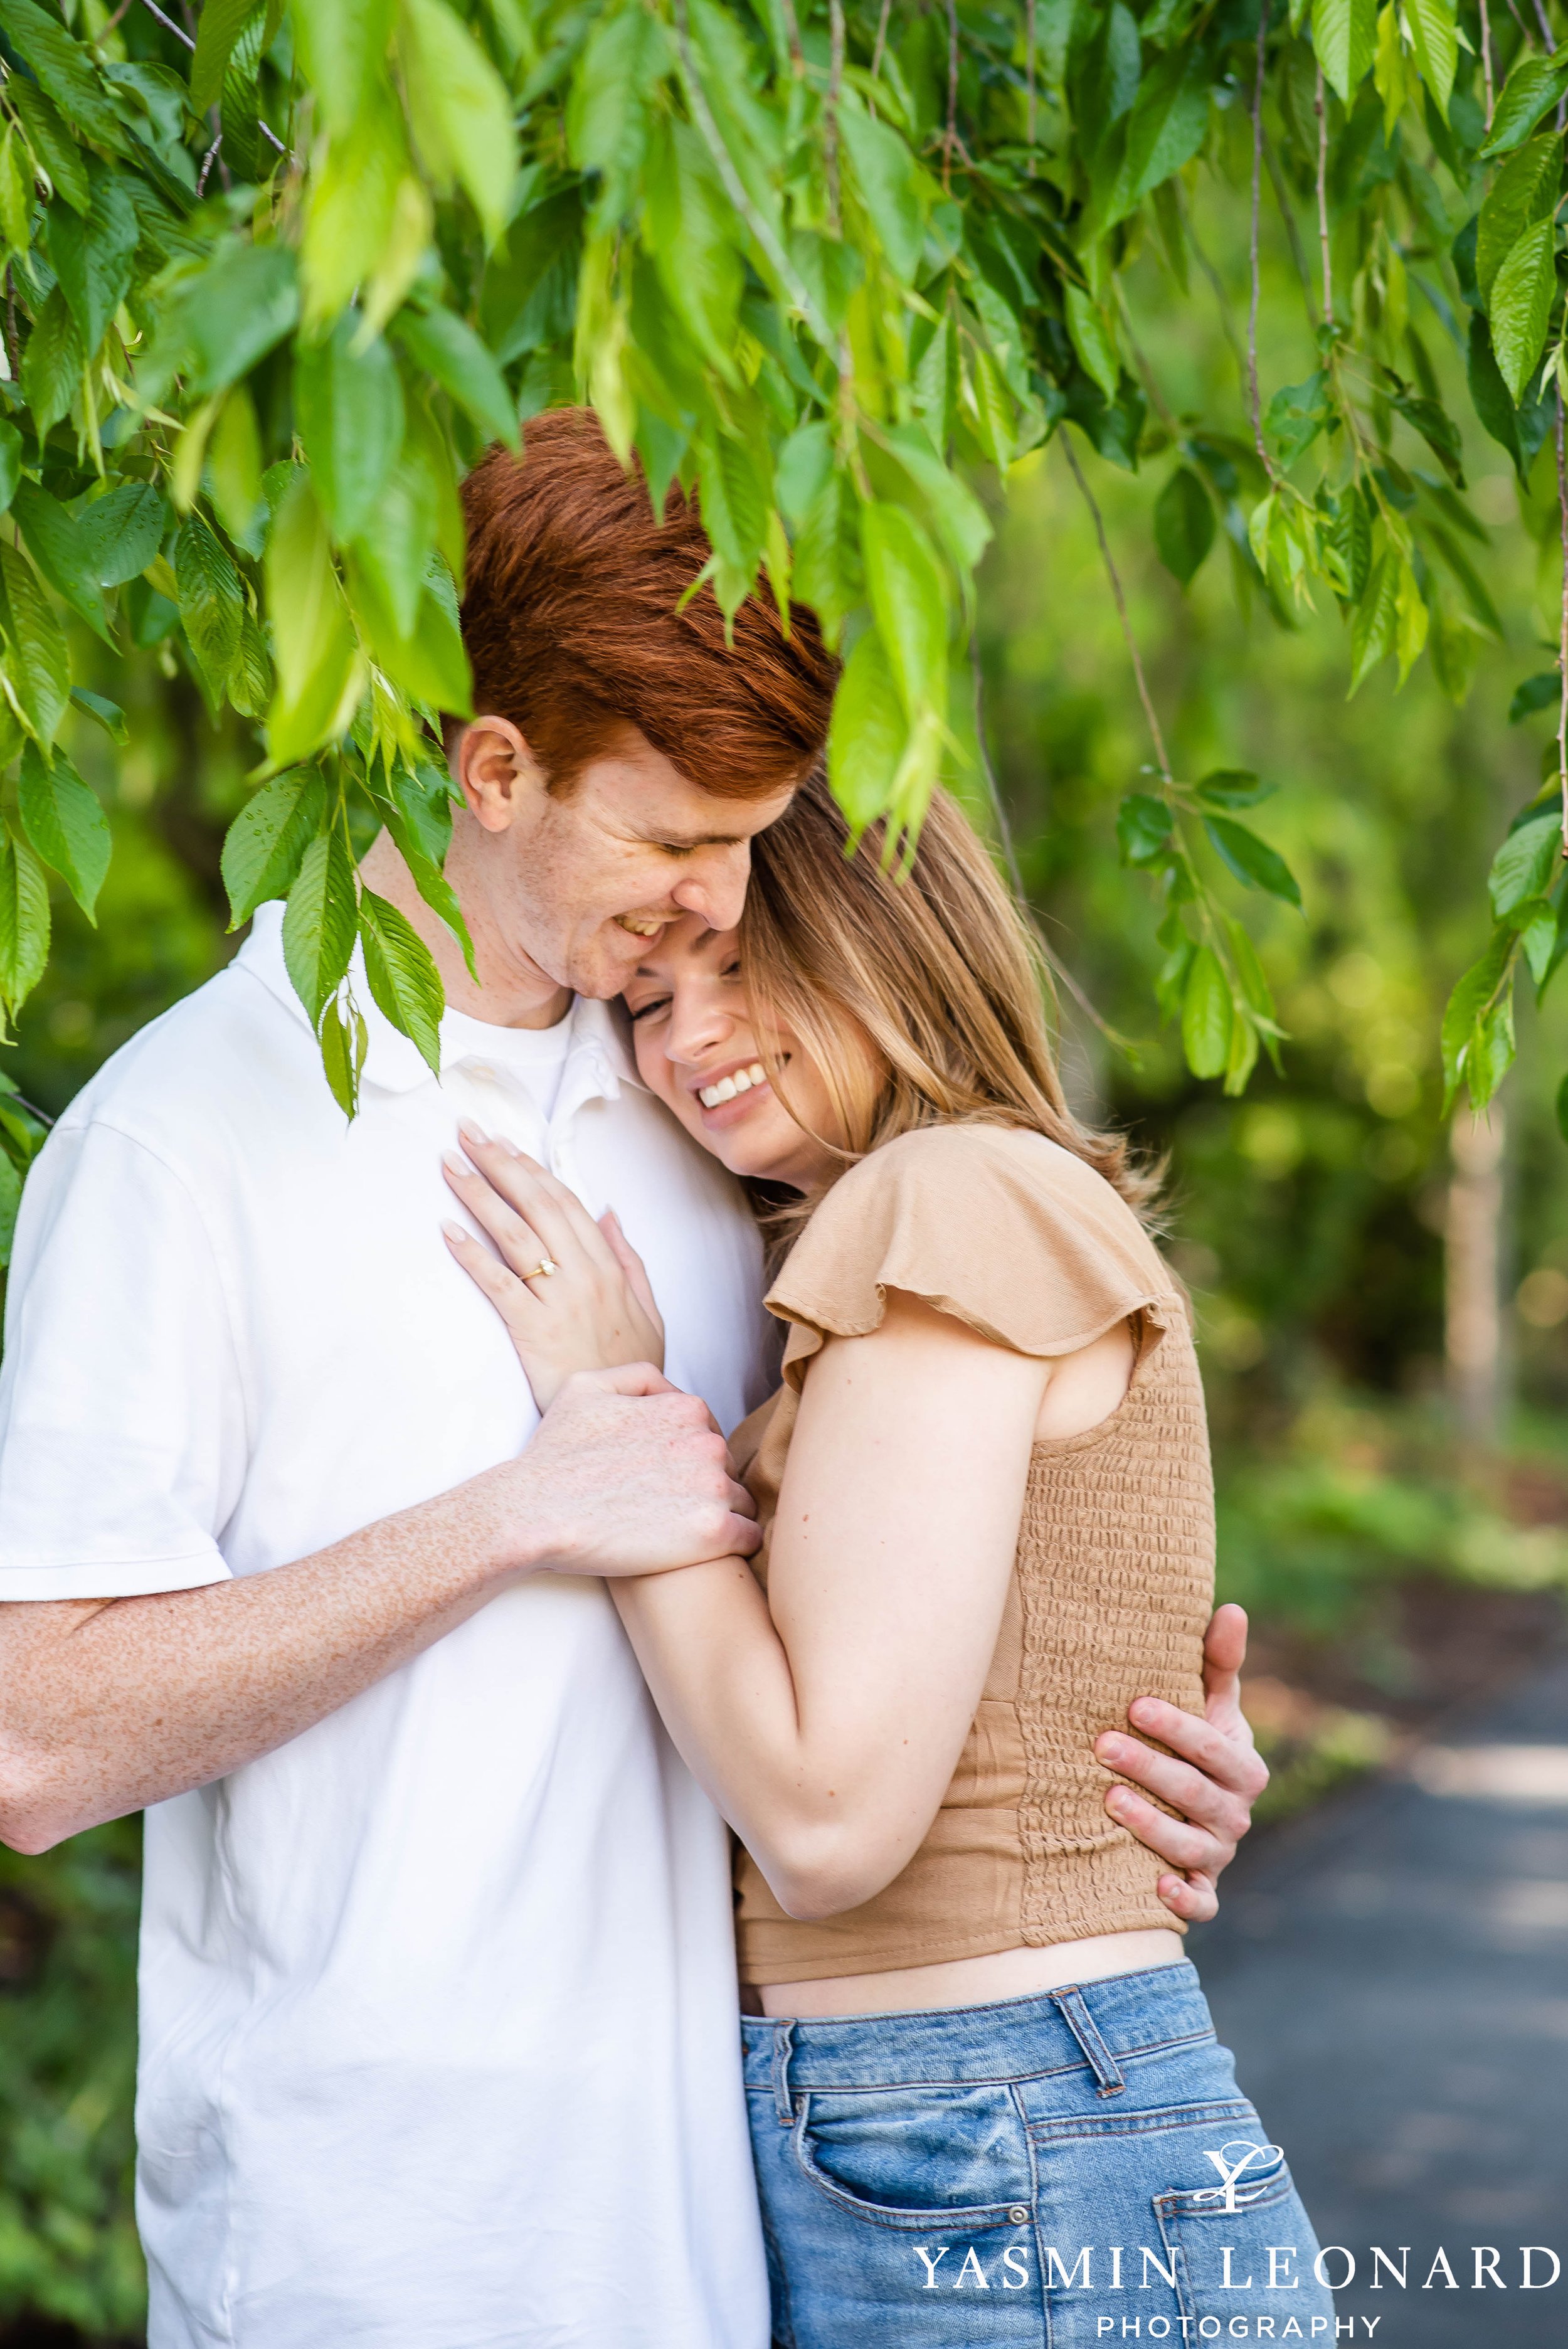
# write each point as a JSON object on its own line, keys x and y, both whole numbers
{"x": 904, "y": 2156}
{"x": 1244, "y": 2243}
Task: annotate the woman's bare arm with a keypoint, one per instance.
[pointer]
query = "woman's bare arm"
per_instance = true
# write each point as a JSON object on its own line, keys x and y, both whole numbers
{"x": 827, "y": 1719}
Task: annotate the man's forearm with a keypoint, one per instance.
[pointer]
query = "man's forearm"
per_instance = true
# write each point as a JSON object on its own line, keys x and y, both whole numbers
{"x": 108, "y": 1705}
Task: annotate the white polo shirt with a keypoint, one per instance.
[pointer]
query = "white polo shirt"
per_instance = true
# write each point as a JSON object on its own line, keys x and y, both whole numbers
{"x": 438, "y": 2014}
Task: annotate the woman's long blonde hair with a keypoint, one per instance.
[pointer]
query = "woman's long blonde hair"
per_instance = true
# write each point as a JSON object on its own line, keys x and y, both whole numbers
{"x": 936, "y": 967}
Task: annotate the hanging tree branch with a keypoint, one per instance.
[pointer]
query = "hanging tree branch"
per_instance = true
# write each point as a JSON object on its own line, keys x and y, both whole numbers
{"x": 830, "y": 111}
{"x": 1486, "y": 59}
{"x": 1322, "y": 114}
{"x": 1115, "y": 577}
{"x": 1254, "y": 397}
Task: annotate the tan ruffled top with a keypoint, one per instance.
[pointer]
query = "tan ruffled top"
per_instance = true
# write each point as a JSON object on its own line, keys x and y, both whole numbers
{"x": 1114, "y": 1580}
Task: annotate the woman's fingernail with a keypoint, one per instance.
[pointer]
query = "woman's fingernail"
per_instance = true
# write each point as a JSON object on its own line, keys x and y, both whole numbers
{"x": 453, "y": 1232}
{"x": 454, "y": 1164}
{"x": 470, "y": 1131}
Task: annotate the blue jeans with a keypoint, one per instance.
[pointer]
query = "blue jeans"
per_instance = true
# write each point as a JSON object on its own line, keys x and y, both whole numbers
{"x": 1063, "y": 2170}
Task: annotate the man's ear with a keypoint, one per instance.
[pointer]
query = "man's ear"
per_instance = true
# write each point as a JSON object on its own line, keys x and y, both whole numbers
{"x": 496, "y": 772}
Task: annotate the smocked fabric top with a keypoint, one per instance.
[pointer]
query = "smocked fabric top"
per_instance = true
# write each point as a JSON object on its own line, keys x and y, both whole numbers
{"x": 1113, "y": 1583}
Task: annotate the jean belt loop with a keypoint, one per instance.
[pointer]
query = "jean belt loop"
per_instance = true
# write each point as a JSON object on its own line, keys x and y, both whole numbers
{"x": 1069, "y": 2004}
{"x": 783, "y": 2103}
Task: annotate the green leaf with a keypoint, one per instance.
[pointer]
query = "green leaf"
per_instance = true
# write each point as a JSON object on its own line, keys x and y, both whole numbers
{"x": 1229, "y": 788}
{"x": 38, "y": 664}
{"x": 867, "y": 735}
{"x": 65, "y": 824}
{"x": 267, "y": 840}
{"x": 888, "y": 181}
{"x": 1167, "y": 126}
{"x": 122, "y": 531}
{"x": 1561, "y": 1108}
{"x": 23, "y": 920}
{"x": 1206, "y": 1015}
{"x": 1344, "y": 34}
{"x": 218, "y": 28}
{"x": 15, "y": 192}
{"x": 428, "y": 663}
{"x": 62, "y": 552}
{"x": 1521, "y": 304}
{"x": 66, "y": 70}
{"x": 1534, "y": 85}
{"x": 1092, "y": 339}
{"x": 439, "y": 342}
{"x": 399, "y": 538}
{"x": 951, "y": 508}
{"x": 1525, "y": 192}
{"x": 233, "y": 313}
{"x": 1144, "y": 828}
{"x": 51, "y": 142}
{"x": 1520, "y": 430}
{"x": 107, "y": 714}
{"x": 52, "y": 364}
{"x": 319, "y": 922}
{"x": 613, "y": 88}
{"x": 1538, "y": 937}
{"x": 93, "y": 256}
{"x": 1462, "y": 1042}
{"x": 1251, "y": 860}
{"x": 313, "y": 639}
{"x": 1431, "y": 24}
{"x": 688, "y": 229}
{"x": 462, "y": 114}
{"x": 420, "y": 821}
{"x": 345, "y": 1041}
{"x": 211, "y": 602}
{"x": 348, "y": 412}
{"x": 403, "y": 977}
{"x": 1526, "y": 865}
{"x": 908, "y": 600}
{"x": 1183, "y": 523}
{"x": 1296, "y": 415}
{"x": 1376, "y": 617}
{"x": 1542, "y": 691}
{"x": 234, "y": 469}
{"x": 340, "y": 45}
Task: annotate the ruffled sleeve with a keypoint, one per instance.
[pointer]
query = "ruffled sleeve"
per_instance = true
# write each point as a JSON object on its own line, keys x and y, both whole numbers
{"x": 1003, "y": 1229}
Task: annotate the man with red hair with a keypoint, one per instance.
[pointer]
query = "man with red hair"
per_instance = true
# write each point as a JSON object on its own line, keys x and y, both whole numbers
{"x": 438, "y": 1993}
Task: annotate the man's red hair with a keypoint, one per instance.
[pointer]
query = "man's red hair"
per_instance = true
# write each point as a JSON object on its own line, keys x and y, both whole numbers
{"x": 570, "y": 617}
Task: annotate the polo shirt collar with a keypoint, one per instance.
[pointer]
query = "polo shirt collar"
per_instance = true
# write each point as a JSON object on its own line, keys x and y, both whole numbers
{"x": 598, "y": 1060}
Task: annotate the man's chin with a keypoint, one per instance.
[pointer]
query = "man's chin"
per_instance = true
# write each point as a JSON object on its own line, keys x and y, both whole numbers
{"x": 605, "y": 964}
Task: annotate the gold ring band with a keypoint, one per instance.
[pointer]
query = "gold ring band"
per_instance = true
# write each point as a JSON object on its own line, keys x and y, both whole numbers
{"x": 542, "y": 1271}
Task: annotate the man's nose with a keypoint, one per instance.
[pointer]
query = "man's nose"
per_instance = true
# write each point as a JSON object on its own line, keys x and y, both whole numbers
{"x": 715, "y": 888}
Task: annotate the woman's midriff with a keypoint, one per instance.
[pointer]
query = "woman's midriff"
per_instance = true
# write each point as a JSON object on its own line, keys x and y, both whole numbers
{"x": 969, "y": 1981}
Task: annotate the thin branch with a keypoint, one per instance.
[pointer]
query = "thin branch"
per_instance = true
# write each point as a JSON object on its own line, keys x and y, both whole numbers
{"x": 831, "y": 110}
{"x": 1319, "y": 110}
{"x": 1058, "y": 969}
{"x": 792, "y": 35}
{"x": 1029, "y": 74}
{"x": 1253, "y": 395}
{"x": 880, "y": 41}
{"x": 1115, "y": 577}
{"x": 1562, "y": 624}
{"x": 1486, "y": 59}
{"x": 1545, "y": 22}
{"x": 208, "y": 161}
{"x": 1222, "y": 299}
{"x": 1167, "y": 414}
{"x": 170, "y": 25}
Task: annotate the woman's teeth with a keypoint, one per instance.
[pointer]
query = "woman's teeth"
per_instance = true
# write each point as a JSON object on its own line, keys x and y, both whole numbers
{"x": 727, "y": 1087}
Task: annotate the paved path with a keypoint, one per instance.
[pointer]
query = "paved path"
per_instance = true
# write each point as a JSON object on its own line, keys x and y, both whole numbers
{"x": 1393, "y": 1976}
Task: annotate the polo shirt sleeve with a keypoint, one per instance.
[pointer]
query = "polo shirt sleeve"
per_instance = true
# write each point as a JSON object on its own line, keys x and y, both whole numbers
{"x": 122, "y": 1426}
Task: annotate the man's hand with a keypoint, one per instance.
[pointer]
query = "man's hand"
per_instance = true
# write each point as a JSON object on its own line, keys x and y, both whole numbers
{"x": 1213, "y": 1786}
{"x": 626, "y": 1475}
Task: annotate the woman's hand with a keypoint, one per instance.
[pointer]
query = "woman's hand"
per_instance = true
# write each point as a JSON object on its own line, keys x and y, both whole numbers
{"x": 574, "y": 1294}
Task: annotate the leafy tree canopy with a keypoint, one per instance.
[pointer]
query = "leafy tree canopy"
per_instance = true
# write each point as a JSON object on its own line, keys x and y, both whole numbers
{"x": 276, "y": 275}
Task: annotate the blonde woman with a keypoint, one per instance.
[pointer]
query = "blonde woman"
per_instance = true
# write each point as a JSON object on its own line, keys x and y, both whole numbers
{"x": 986, "y": 2099}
